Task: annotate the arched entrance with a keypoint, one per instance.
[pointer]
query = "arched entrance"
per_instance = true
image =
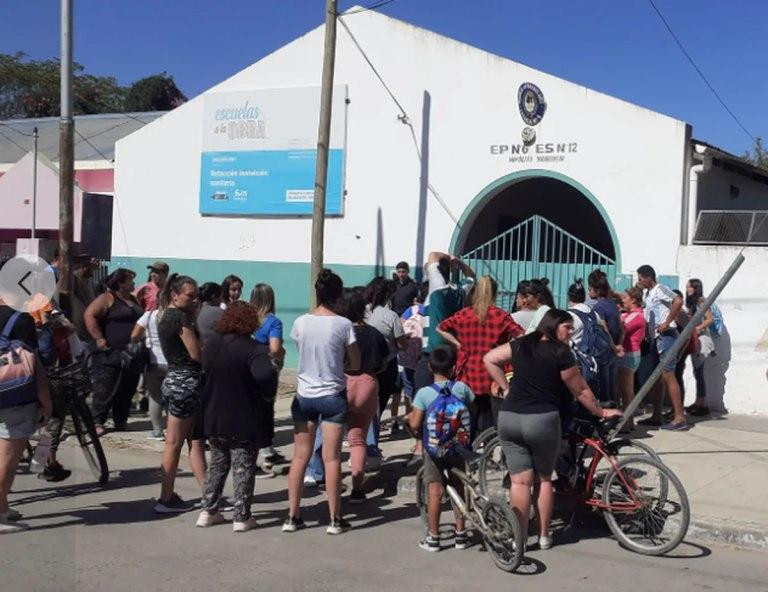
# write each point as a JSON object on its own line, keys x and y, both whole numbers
{"x": 536, "y": 223}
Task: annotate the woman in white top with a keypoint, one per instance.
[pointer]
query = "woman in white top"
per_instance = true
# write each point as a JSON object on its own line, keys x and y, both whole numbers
{"x": 327, "y": 348}
{"x": 157, "y": 368}
{"x": 539, "y": 299}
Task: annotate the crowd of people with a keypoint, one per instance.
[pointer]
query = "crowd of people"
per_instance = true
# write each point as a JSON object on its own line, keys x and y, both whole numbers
{"x": 208, "y": 365}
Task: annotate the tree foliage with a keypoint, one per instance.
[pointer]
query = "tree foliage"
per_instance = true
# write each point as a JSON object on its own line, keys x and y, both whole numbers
{"x": 758, "y": 156}
{"x": 154, "y": 93}
{"x": 30, "y": 88}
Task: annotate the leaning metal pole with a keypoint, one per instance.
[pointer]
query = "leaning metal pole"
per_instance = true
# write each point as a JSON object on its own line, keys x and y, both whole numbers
{"x": 683, "y": 338}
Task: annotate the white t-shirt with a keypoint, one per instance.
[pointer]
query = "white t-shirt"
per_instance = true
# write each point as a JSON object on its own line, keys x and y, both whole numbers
{"x": 578, "y": 326}
{"x": 537, "y": 316}
{"x": 149, "y": 321}
{"x": 322, "y": 342}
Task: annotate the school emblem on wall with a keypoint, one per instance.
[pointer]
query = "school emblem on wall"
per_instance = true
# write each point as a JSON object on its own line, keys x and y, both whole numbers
{"x": 531, "y": 101}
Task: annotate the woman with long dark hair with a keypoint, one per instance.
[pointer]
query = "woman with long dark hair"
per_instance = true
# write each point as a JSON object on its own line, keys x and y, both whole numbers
{"x": 237, "y": 412}
{"x": 180, "y": 342}
{"x": 521, "y": 314}
{"x": 545, "y": 382}
{"x": 539, "y": 299}
{"x": 231, "y": 290}
{"x": 327, "y": 347}
{"x": 694, "y": 298}
{"x": 110, "y": 319}
{"x": 210, "y": 309}
{"x": 473, "y": 332}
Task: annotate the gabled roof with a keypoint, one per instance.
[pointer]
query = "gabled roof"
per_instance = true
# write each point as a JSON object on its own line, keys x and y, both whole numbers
{"x": 101, "y": 132}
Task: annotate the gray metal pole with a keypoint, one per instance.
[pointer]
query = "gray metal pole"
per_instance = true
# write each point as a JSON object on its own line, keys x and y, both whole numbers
{"x": 323, "y": 142}
{"x": 66, "y": 156}
{"x": 34, "y": 182}
{"x": 683, "y": 338}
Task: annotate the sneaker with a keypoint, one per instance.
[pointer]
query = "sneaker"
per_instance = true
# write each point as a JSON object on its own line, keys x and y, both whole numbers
{"x": 11, "y": 527}
{"x": 54, "y": 473}
{"x": 276, "y": 458}
{"x": 461, "y": 539}
{"x": 357, "y": 497}
{"x": 10, "y": 515}
{"x": 545, "y": 542}
{"x": 157, "y": 436}
{"x": 174, "y": 505}
{"x": 310, "y": 481}
{"x": 262, "y": 474}
{"x": 337, "y": 526}
{"x": 676, "y": 427}
{"x": 209, "y": 519}
{"x": 244, "y": 526}
{"x": 292, "y": 524}
{"x": 430, "y": 543}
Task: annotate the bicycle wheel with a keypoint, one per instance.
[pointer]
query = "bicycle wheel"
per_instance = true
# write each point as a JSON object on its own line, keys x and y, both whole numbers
{"x": 492, "y": 471}
{"x": 85, "y": 430}
{"x": 661, "y": 521}
{"x": 422, "y": 497}
{"x": 622, "y": 448}
{"x": 483, "y": 438}
{"x": 503, "y": 535}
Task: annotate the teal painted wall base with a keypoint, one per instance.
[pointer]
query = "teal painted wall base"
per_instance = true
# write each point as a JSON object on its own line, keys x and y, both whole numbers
{"x": 290, "y": 281}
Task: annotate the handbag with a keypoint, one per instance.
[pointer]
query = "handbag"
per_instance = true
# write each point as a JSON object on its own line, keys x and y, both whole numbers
{"x": 694, "y": 344}
{"x": 135, "y": 356}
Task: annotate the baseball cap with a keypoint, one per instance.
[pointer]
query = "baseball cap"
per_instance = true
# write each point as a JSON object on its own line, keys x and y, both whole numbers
{"x": 403, "y": 265}
{"x": 160, "y": 266}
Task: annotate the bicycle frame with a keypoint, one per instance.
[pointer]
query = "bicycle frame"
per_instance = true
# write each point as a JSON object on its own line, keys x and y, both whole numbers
{"x": 589, "y": 498}
{"x": 465, "y": 505}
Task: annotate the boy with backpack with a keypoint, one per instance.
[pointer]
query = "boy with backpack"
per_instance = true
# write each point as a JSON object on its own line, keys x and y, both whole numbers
{"x": 441, "y": 414}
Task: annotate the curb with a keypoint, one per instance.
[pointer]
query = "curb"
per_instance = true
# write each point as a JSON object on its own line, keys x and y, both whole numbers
{"x": 741, "y": 534}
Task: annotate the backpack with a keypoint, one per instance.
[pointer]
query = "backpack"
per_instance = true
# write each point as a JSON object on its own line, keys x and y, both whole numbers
{"x": 595, "y": 347}
{"x": 17, "y": 369}
{"x": 446, "y": 423}
{"x": 413, "y": 327}
{"x": 717, "y": 315}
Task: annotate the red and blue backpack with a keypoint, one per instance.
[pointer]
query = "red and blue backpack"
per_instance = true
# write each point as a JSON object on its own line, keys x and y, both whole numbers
{"x": 446, "y": 423}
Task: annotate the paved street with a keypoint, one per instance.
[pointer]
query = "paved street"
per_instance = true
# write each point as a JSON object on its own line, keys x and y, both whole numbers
{"x": 85, "y": 538}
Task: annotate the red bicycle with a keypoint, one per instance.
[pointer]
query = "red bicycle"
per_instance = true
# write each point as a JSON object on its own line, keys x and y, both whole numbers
{"x": 641, "y": 499}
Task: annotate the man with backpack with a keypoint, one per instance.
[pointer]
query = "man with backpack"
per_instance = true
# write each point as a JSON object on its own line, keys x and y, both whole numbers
{"x": 441, "y": 414}
{"x": 591, "y": 342}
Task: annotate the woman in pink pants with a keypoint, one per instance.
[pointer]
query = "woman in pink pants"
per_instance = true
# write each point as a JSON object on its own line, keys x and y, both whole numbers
{"x": 362, "y": 386}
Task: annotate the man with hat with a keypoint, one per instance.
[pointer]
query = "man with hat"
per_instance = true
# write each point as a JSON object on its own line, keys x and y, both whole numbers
{"x": 148, "y": 293}
{"x": 407, "y": 289}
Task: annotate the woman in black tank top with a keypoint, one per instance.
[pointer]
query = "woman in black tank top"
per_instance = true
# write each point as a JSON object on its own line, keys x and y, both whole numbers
{"x": 110, "y": 318}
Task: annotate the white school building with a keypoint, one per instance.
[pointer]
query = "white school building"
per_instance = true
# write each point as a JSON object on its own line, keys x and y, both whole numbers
{"x": 522, "y": 173}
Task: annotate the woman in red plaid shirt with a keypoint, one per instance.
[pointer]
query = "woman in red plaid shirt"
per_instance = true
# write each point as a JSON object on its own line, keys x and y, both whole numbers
{"x": 474, "y": 331}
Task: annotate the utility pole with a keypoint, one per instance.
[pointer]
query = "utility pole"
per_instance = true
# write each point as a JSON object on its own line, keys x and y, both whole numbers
{"x": 34, "y": 183}
{"x": 66, "y": 158}
{"x": 323, "y": 142}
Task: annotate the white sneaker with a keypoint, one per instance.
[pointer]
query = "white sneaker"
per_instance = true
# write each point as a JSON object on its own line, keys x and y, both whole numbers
{"x": 545, "y": 542}
{"x": 11, "y": 527}
{"x": 244, "y": 526}
{"x": 310, "y": 481}
{"x": 206, "y": 519}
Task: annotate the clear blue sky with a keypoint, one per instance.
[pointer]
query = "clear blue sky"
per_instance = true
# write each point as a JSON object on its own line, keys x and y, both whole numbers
{"x": 619, "y": 47}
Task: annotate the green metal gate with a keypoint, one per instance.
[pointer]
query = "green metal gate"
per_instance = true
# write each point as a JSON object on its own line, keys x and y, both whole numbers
{"x": 537, "y": 248}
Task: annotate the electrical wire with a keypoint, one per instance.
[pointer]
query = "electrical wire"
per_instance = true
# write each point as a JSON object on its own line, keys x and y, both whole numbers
{"x": 403, "y": 117}
{"x": 367, "y": 8}
{"x": 698, "y": 70}
{"x": 25, "y": 150}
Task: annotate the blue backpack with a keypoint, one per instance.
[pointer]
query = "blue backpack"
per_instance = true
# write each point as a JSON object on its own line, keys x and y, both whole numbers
{"x": 596, "y": 346}
{"x": 446, "y": 423}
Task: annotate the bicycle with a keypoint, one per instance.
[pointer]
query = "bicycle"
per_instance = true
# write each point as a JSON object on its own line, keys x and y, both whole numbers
{"x": 498, "y": 525}
{"x": 642, "y": 501}
{"x": 73, "y": 384}
{"x": 493, "y": 476}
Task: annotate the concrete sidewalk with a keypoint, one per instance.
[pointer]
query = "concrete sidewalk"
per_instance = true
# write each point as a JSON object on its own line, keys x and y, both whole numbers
{"x": 722, "y": 463}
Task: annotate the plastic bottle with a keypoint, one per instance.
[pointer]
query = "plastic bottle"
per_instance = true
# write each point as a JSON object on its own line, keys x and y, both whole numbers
{"x": 42, "y": 450}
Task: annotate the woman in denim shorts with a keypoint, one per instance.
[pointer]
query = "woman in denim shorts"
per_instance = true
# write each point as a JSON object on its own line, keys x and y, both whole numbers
{"x": 327, "y": 347}
{"x": 180, "y": 343}
{"x": 634, "y": 332}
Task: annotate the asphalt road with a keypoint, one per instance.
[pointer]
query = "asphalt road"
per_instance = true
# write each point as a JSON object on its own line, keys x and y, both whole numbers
{"x": 87, "y": 538}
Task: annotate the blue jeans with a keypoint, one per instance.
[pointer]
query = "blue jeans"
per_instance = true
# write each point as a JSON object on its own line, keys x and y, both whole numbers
{"x": 372, "y": 438}
{"x": 316, "y": 468}
{"x": 331, "y": 408}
